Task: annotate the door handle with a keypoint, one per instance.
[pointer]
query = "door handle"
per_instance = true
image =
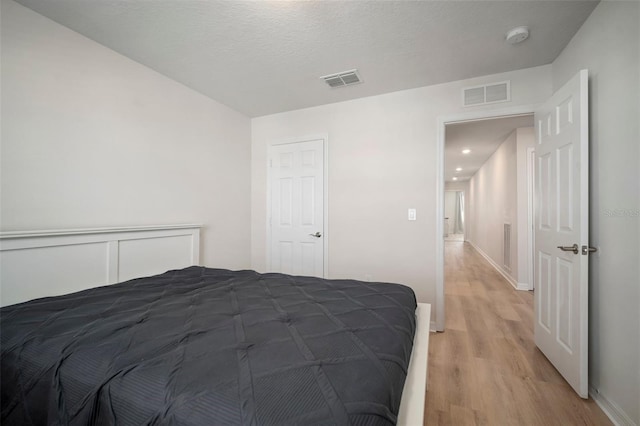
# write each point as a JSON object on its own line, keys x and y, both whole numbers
{"x": 588, "y": 250}
{"x": 573, "y": 248}
{"x": 317, "y": 235}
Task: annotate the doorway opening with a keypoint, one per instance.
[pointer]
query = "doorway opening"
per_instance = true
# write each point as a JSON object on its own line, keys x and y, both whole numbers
{"x": 562, "y": 217}
{"x": 457, "y": 168}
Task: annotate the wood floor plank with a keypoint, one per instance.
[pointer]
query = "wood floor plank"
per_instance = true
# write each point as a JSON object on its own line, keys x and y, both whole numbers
{"x": 454, "y": 316}
{"x": 462, "y": 415}
{"x": 485, "y": 368}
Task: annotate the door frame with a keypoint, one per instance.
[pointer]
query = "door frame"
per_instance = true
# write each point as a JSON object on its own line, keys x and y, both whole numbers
{"x": 325, "y": 196}
{"x": 442, "y": 122}
{"x": 531, "y": 176}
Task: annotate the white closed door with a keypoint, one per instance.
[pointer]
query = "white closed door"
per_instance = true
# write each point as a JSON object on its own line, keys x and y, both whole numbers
{"x": 562, "y": 231}
{"x": 296, "y": 183}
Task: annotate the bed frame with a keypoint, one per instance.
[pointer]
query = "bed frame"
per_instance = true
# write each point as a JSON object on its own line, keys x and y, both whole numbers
{"x": 415, "y": 387}
{"x": 49, "y": 263}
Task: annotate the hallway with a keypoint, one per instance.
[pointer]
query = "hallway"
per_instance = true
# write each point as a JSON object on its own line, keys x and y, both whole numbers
{"x": 485, "y": 368}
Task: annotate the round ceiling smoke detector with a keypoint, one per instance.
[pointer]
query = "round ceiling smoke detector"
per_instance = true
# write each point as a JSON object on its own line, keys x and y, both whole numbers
{"x": 517, "y": 35}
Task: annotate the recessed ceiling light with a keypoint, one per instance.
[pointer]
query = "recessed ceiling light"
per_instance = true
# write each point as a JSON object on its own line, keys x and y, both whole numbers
{"x": 459, "y": 169}
{"x": 455, "y": 178}
{"x": 466, "y": 151}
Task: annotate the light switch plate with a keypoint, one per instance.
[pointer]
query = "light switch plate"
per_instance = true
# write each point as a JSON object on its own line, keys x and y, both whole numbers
{"x": 412, "y": 214}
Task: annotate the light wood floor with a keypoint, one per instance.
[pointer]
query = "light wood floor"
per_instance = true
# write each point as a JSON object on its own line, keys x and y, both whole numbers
{"x": 485, "y": 368}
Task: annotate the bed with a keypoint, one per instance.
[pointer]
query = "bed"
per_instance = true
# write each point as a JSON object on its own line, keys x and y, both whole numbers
{"x": 206, "y": 346}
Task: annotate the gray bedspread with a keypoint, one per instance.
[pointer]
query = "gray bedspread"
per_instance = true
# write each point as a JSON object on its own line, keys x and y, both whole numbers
{"x": 202, "y": 346}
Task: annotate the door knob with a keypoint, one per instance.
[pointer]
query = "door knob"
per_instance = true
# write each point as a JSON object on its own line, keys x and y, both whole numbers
{"x": 573, "y": 248}
{"x": 317, "y": 235}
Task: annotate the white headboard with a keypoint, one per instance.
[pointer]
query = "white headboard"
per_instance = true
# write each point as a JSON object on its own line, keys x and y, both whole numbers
{"x": 49, "y": 263}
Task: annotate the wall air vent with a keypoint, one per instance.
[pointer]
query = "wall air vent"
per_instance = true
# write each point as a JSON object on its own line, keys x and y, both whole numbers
{"x": 486, "y": 94}
{"x": 345, "y": 78}
{"x": 506, "y": 247}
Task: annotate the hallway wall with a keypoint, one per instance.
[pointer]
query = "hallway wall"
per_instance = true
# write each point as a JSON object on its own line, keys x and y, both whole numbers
{"x": 493, "y": 201}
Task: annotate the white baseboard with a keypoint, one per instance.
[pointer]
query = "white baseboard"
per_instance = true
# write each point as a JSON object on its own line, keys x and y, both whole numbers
{"x": 510, "y": 280}
{"x": 432, "y": 327}
{"x": 617, "y": 416}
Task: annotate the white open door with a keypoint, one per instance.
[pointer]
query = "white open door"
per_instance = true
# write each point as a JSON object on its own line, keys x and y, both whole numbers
{"x": 296, "y": 183}
{"x": 562, "y": 231}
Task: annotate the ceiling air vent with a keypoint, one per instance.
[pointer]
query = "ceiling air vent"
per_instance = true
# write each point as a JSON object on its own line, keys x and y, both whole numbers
{"x": 487, "y": 94}
{"x": 345, "y": 78}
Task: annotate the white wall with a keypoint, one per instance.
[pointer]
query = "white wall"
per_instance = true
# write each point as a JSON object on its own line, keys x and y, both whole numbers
{"x": 608, "y": 46}
{"x": 493, "y": 202}
{"x": 382, "y": 160}
{"x": 498, "y": 194}
{"x": 91, "y": 139}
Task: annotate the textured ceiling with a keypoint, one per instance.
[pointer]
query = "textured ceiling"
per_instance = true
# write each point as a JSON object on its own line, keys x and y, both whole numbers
{"x": 482, "y": 138}
{"x": 264, "y": 57}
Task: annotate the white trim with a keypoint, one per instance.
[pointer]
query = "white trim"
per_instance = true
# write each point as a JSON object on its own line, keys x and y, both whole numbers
{"x": 440, "y": 225}
{"x": 442, "y": 121}
{"x": 326, "y": 206}
{"x": 531, "y": 152}
{"x": 86, "y": 231}
{"x": 584, "y": 232}
{"x": 325, "y": 232}
{"x": 617, "y": 416}
{"x": 415, "y": 386}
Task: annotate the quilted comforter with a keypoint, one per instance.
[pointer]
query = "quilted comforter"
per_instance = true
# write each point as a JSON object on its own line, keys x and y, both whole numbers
{"x": 202, "y": 346}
